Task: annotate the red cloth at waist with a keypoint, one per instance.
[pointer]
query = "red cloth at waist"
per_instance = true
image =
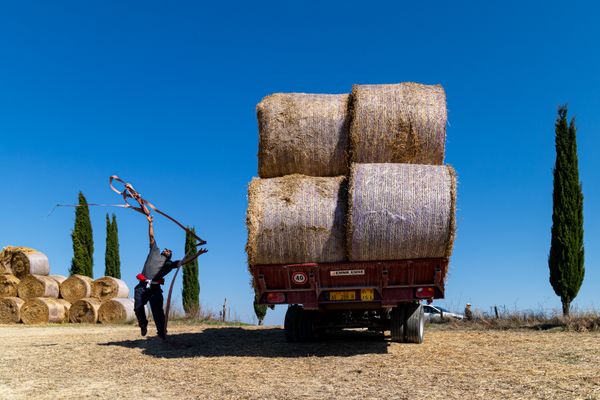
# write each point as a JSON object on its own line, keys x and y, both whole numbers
{"x": 141, "y": 277}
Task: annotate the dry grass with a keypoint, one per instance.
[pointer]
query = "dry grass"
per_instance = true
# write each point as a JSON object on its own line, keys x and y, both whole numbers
{"x": 211, "y": 362}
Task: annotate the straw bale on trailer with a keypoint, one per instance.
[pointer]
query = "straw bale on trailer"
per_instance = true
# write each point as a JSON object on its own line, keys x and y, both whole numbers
{"x": 24, "y": 263}
{"x": 116, "y": 311}
{"x": 400, "y": 211}
{"x": 38, "y": 286}
{"x": 400, "y": 123}
{"x": 41, "y": 310}
{"x": 296, "y": 219}
{"x": 303, "y": 133}
{"x": 8, "y": 285}
{"x": 84, "y": 310}
{"x": 76, "y": 287}
{"x": 10, "y": 310}
{"x": 6, "y": 256}
{"x": 108, "y": 287}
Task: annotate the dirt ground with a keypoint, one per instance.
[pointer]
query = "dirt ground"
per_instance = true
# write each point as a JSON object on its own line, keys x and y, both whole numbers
{"x": 219, "y": 362}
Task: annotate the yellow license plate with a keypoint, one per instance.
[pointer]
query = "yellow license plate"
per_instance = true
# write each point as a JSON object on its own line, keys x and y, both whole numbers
{"x": 343, "y": 296}
{"x": 367, "y": 294}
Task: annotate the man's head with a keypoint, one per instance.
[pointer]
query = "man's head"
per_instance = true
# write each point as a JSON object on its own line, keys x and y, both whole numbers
{"x": 167, "y": 253}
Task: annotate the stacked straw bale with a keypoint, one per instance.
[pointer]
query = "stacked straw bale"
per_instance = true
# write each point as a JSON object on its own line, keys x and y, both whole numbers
{"x": 10, "y": 310}
{"x": 401, "y": 211}
{"x": 107, "y": 287}
{"x": 58, "y": 278}
{"x": 85, "y": 311}
{"x": 24, "y": 263}
{"x": 38, "y": 286}
{"x": 296, "y": 219}
{"x": 6, "y": 259}
{"x": 303, "y": 134}
{"x": 41, "y": 310}
{"x": 116, "y": 311}
{"x": 400, "y": 123}
{"x": 8, "y": 285}
{"x": 76, "y": 287}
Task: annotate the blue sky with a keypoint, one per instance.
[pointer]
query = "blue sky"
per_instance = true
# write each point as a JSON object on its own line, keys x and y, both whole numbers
{"x": 164, "y": 94}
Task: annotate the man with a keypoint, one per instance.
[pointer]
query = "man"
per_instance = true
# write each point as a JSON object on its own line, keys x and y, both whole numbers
{"x": 156, "y": 267}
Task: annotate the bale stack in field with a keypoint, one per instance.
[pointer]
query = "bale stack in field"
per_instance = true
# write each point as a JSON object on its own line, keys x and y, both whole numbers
{"x": 107, "y": 287}
{"x": 10, "y": 310}
{"x": 41, "y": 310}
{"x": 116, "y": 311}
{"x": 8, "y": 285}
{"x": 84, "y": 310}
{"x": 387, "y": 142}
{"x": 35, "y": 297}
{"x": 76, "y": 287}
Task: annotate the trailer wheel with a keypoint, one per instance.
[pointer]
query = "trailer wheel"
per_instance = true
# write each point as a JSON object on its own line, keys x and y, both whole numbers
{"x": 415, "y": 323}
{"x": 307, "y": 327}
{"x": 397, "y": 322}
{"x": 291, "y": 323}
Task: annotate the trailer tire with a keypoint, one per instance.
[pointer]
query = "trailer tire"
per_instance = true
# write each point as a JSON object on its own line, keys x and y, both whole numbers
{"x": 307, "y": 327}
{"x": 397, "y": 322}
{"x": 291, "y": 323}
{"x": 415, "y": 323}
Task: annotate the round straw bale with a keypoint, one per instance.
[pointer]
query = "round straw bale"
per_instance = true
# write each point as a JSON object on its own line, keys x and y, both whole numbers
{"x": 76, "y": 287}
{"x": 296, "y": 219}
{"x": 116, "y": 311}
{"x": 24, "y": 263}
{"x": 10, "y": 310}
{"x": 38, "y": 286}
{"x": 401, "y": 123}
{"x": 6, "y": 256}
{"x": 58, "y": 278}
{"x": 66, "y": 305}
{"x": 303, "y": 133}
{"x": 400, "y": 211}
{"x": 40, "y": 310}
{"x": 8, "y": 285}
{"x": 108, "y": 287}
{"x": 84, "y": 310}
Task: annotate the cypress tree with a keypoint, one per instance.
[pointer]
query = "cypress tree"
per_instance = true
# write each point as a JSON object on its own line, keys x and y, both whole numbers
{"x": 112, "y": 259}
{"x": 566, "y": 259}
{"x": 260, "y": 310}
{"x": 83, "y": 242}
{"x": 191, "y": 285}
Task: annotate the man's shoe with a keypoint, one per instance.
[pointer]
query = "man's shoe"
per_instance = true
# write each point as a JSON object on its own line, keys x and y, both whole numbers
{"x": 144, "y": 329}
{"x": 163, "y": 336}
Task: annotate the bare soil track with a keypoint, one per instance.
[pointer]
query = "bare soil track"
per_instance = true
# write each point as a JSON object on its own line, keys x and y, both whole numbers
{"x": 219, "y": 362}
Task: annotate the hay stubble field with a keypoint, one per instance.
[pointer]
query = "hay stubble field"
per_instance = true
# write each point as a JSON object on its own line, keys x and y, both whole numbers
{"x": 221, "y": 362}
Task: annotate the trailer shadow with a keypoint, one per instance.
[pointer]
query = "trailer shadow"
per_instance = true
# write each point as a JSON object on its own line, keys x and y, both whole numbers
{"x": 270, "y": 342}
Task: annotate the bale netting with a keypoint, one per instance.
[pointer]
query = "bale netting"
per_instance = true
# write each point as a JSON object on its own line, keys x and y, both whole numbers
{"x": 303, "y": 133}
{"x": 401, "y": 123}
{"x": 9, "y": 285}
{"x": 24, "y": 263}
{"x": 108, "y": 287}
{"x": 10, "y": 310}
{"x": 296, "y": 219}
{"x": 66, "y": 305}
{"x": 76, "y": 287}
{"x": 58, "y": 278}
{"x": 6, "y": 256}
{"x": 116, "y": 311}
{"x": 41, "y": 310}
{"x": 400, "y": 211}
{"x": 84, "y": 311}
{"x": 38, "y": 286}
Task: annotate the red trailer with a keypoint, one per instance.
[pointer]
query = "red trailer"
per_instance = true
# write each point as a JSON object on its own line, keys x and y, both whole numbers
{"x": 379, "y": 295}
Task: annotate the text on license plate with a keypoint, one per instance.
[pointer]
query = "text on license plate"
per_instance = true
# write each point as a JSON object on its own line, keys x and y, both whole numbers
{"x": 342, "y": 296}
{"x": 367, "y": 294}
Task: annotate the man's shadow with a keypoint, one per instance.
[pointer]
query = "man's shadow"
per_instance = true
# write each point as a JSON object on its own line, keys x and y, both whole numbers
{"x": 270, "y": 342}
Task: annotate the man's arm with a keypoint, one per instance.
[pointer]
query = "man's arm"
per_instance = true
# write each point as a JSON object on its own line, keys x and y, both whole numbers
{"x": 151, "y": 230}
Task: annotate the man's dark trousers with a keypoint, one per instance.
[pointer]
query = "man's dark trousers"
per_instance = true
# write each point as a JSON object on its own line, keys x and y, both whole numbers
{"x": 154, "y": 295}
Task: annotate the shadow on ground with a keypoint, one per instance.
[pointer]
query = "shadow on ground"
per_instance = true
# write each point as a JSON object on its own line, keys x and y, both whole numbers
{"x": 239, "y": 342}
